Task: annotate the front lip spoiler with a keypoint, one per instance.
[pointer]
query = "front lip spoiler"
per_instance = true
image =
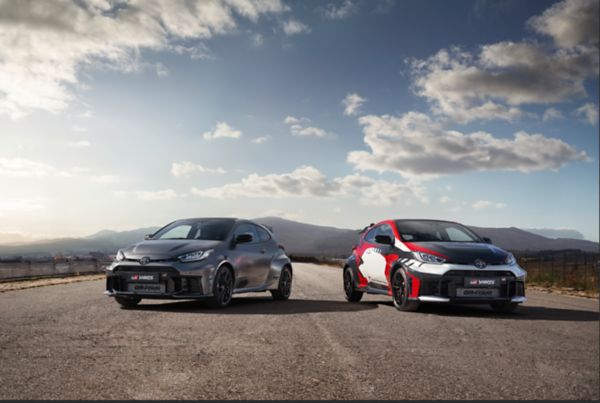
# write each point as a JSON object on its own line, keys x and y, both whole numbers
{"x": 431, "y": 298}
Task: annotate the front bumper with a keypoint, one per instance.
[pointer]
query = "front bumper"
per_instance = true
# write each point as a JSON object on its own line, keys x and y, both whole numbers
{"x": 175, "y": 280}
{"x": 451, "y": 280}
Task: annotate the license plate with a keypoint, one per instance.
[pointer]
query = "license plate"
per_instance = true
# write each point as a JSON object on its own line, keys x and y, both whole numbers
{"x": 479, "y": 282}
{"x": 146, "y": 288}
{"x": 478, "y": 292}
{"x": 144, "y": 277}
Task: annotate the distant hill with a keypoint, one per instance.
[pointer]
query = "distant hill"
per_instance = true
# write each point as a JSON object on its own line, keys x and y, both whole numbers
{"x": 297, "y": 238}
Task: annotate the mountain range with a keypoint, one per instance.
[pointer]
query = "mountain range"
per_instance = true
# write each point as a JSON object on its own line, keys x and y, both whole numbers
{"x": 297, "y": 238}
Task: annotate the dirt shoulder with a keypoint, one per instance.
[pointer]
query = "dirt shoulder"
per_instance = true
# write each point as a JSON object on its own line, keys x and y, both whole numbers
{"x": 41, "y": 282}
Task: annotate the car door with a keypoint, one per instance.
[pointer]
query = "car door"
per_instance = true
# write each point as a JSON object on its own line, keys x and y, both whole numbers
{"x": 267, "y": 247}
{"x": 248, "y": 260}
{"x": 374, "y": 263}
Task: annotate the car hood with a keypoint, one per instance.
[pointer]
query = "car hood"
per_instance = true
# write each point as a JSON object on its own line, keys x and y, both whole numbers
{"x": 167, "y": 249}
{"x": 466, "y": 253}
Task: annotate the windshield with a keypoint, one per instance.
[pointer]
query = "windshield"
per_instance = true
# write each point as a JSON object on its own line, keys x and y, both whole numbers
{"x": 434, "y": 231}
{"x": 203, "y": 229}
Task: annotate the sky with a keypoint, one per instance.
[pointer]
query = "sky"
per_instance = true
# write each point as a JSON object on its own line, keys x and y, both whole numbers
{"x": 127, "y": 114}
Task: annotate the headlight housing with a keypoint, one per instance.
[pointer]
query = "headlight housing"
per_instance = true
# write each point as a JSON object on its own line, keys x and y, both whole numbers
{"x": 195, "y": 256}
{"x": 428, "y": 258}
{"x": 120, "y": 256}
{"x": 510, "y": 260}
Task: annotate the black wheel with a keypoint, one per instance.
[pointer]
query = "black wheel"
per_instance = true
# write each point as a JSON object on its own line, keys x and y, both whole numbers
{"x": 284, "y": 289}
{"x": 128, "y": 302}
{"x": 222, "y": 288}
{"x": 352, "y": 295}
{"x": 400, "y": 293}
{"x": 504, "y": 307}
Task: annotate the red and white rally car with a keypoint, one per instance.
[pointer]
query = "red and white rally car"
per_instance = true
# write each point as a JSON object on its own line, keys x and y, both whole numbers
{"x": 418, "y": 261}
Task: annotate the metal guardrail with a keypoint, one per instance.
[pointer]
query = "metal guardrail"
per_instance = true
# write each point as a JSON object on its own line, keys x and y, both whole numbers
{"x": 23, "y": 270}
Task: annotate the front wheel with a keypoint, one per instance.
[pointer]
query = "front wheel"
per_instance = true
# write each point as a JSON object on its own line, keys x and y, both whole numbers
{"x": 400, "y": 293}
{"x": 128, "y": 302}
{"x": 284, "y": 289}
{"x": 222, "y": 288}
{"x": 352, "y": 295}
{"x": 504, "y": 307}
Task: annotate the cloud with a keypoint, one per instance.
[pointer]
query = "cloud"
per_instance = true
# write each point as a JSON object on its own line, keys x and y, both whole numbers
{"x": 483, "y": 204}
{"x": 222, "y": 130}
{"x": 307, "y": 181}
{"x": 257, "y": 40}
{"x": 23, "y": 205}
{"x": 294, "y": 27}
{"x": 21, "y": 167}
{"x": 503, "y": 76}
{"x": 499, "y": 79}
{"x": 552, "y": 114}
{"x": 107, "y": 179}
{"x": 589, "y": 112}
{"x": 167, "y": 194}
{"x": 301, "y": 127}
{"x": 413, "y": 145}
{"x": 556, "y": 232}
{"x": 570, "y": 23}
{"x": 186, "y": 167}
{"x": 80, "y": 129}
{"x": 261, "y": 139}
{"x": 161, "y": 70}
{"x": 344, "y": 10}
{"x": 79, "y": 144}
{"x": 352, "y": 104}
{"x": 445, "y": 199}
{"x": 44, "y": 46}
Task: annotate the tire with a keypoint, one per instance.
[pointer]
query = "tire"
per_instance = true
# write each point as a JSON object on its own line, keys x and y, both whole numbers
{"x": 352, "y": 295}
{"x": 222, "y": 289}
{"x": 284, "y": 289}
{"x": 504, "y": 307}
{"x": 128, "y": 302}
{"x": 400, "y": 293}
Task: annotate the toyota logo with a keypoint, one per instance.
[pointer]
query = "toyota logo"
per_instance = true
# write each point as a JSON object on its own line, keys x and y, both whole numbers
{"x": 480, "y": 264}
{"x": 144, "y": 260}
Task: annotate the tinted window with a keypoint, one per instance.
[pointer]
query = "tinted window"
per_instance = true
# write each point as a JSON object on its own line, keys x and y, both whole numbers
{"x": 435, "y": 231}
{"x": 386, "y": 229}
{"x": 247, "y": 229}
{"x": 370, "y": 237}
{"x": 204, "y": 229}
{"x": 263, "y": 235}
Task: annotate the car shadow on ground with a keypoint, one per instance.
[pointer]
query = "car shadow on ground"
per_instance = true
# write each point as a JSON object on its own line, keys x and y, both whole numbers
{"x": 258, "y": 306}
{"x": 522, "y": 312}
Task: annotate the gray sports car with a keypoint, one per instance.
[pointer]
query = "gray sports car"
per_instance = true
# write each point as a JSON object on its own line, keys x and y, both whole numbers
{"x": 201, "y": 258}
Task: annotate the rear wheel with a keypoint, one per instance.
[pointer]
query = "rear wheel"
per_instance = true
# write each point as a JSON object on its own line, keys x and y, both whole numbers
{"x": 352, "y": 295}
{"x": 128, "y": 302}
{"x": 284, "y": 289}
{"x": 222, "y": 288}
{"x": 504, "y": 307}
{"x": 400, "y": 292}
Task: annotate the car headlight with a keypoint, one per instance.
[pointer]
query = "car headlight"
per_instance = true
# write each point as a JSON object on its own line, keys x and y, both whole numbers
{"x": 120, "y": 256}
{"x": 195, "y": 256}
{"x": 429, "y": 258}
{"x": 510, "y": 260}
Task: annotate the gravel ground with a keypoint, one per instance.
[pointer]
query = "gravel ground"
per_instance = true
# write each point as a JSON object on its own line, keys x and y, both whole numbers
{"x": 71, "y": 342}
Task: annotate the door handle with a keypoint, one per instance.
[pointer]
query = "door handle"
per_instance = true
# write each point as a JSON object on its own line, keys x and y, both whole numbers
{"x": 262, "y": 251}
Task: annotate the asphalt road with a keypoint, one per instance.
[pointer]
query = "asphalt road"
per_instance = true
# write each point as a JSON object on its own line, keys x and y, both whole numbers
{"x": 71, "y": 342}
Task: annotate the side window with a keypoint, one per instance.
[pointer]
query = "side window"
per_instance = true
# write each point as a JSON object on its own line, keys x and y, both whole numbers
{"x": 370, "y": 237}
{"x": 263, "y": 235}
{"x": 247, "y": 229}
{"x": 386, "y": 229}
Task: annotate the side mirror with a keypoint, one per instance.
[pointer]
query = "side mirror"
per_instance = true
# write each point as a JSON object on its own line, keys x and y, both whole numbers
{"x": 244, "y": 238}
{"x": 487, "y": 240}
{"x": 147, "y": 237}
{"x": 384, "y": 239}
